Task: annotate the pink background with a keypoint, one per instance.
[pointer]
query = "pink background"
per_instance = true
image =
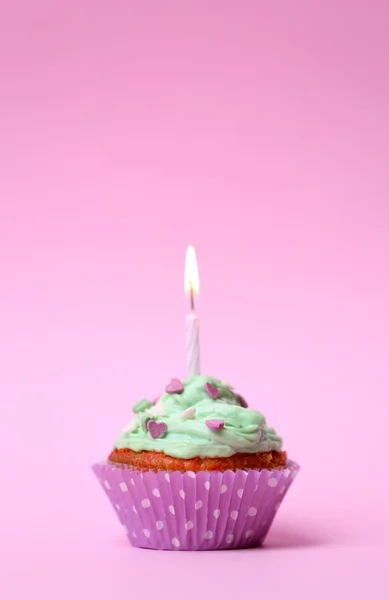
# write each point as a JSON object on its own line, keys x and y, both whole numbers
{"x": 259, "y": 132}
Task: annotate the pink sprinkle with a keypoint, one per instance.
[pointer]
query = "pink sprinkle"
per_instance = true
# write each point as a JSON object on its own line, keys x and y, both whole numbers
{"x": 156, "y": 429}
{"x": 214, "y": 424}
{"x": 212, "y": 391}
{"x": 188, "y": 413}
{"x": 175, "y": 387}
{"x": 242, "y": 401}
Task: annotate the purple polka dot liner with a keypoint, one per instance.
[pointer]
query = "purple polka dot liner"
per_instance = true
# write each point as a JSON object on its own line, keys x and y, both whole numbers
{"x": 195, "y": 511}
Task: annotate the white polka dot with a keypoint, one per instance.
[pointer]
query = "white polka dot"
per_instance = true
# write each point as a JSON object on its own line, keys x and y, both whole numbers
{"x": 216, "y": 513}
{"x": 208, "y": 535}
{"x": 191, "y": 474}
{"x": 223, "y": 489}
{"x": 207, "y": 485}
{"x": 146, "y": 532}
{"x": 106, "y": 483}
{"x": 171, "y": 508}
{"x": 134, "y": 534}
{"x": 134, "y": 509}
{"x": 256, "y": 487}
{"x": 146, "y": 503}
{"x": 132, "y": 481}
{"x": 176, "y": 542}
{"x": 252, "y": 511}
{"x": 159, "y": 525}
{"x": 182, "y": 494}
{"x": 189, "y": 525}
{"x": 249, "y": 533}
{"x": 198, "y": 504}
{"x": 272, "y": 482}
{"x": 286, "y": 473}
{"x": 141, "y": 475}
{"x": 229, "y": 538}
{"x": 240, "y": 492}
{"x": 117, "y": 507}
{"x": 167, "y": 477}
{"x": 156, "y": 493}
{"x": 282, "y": 489}
{"x": 234, "y": 514}
{"x": 123, "y": 486}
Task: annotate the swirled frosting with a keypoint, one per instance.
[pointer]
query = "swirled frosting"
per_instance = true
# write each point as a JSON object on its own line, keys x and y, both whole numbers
{"x": 188, "y": 417}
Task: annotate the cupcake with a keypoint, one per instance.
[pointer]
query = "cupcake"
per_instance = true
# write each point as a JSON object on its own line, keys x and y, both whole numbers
{"x": 196, "y": 469}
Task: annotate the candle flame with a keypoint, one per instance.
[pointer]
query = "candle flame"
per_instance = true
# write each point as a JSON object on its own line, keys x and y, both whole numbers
{"x": 191, "y": 278}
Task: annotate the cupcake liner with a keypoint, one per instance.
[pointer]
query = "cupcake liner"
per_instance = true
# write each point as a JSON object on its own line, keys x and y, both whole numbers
{"x": 195, "y": 511}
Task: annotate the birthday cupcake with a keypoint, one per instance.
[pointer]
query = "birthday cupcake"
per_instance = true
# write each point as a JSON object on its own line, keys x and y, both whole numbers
{"x": 197, "y": 469}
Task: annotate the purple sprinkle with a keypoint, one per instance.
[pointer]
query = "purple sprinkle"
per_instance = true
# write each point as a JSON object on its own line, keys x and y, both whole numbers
{"x": 175, "y": 387}
{"x": 242, "y": 401}
{"x": 214, "y": 424}
{"x": 156, "y": 429}
{"x": 212, "y": 391}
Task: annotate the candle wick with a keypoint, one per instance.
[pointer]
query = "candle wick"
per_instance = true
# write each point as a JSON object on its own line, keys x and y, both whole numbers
{"x": 191, "y": 297}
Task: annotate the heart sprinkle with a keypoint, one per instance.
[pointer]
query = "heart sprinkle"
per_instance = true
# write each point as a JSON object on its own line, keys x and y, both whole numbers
{"x": 141, "y": 406}
{"x": 156, "y": 430}
{"x": 242, "y": 401}
{"x": 175, "y": 387}
{"x": 212, "y": 391}
{"x": 157, "y": 410}
{"x": 188, "y": 413}
{"x": 214, "y": 424}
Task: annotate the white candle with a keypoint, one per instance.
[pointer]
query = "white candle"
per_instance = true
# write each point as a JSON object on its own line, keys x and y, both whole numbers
{"x": 192, "y": 321}
{"x": 192, "y": 344}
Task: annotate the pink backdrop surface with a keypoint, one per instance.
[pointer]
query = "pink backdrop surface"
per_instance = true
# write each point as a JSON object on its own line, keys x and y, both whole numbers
{"x": 259, "y": 132}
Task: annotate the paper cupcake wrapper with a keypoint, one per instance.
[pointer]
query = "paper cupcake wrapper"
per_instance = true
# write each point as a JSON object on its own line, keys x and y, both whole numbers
{"x": 195, "y": 511}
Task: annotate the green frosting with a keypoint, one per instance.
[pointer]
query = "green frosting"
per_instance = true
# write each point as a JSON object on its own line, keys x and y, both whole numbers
{"x": 244, "y": 430}
{"x": 141, "y": 405}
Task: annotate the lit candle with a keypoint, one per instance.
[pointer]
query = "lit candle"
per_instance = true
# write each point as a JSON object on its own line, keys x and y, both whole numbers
{"x": 192, "y": 321}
